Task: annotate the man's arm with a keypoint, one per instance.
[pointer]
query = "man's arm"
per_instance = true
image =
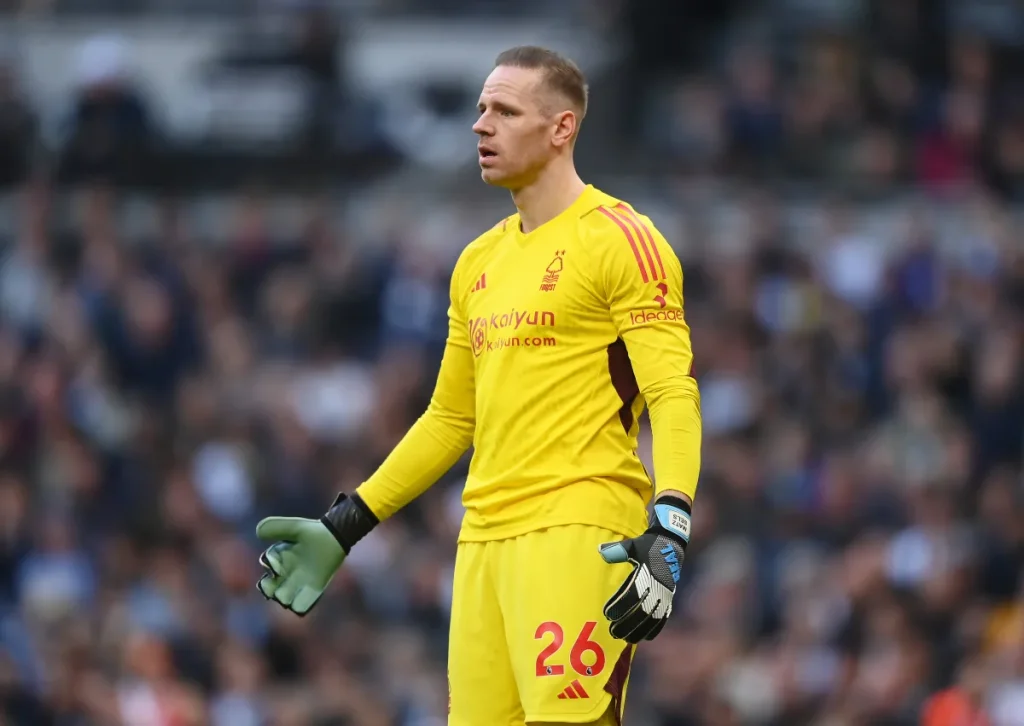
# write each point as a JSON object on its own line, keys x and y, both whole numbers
{"x": 435, "y": 442}
{"x": 643, "y": 288}
{"x": 306, "y": 553}
{"x": 441, "y": 435}
{"x": 643, "y": 283}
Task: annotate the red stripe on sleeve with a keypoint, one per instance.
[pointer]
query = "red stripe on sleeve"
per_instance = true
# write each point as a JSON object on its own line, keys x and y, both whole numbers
{"x": 629, "y": 236}
{"x": 643, "y": 242}
{"x": 650, "y": 237}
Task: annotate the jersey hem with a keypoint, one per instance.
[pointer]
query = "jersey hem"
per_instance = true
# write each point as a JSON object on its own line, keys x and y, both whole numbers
{"x": 500, "y": 533}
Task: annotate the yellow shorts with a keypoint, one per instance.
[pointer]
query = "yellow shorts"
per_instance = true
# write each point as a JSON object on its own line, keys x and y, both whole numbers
{"x": 528, "y": 639}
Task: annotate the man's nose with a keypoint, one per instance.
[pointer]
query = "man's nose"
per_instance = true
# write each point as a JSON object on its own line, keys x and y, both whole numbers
{"x": 482, "y": 128}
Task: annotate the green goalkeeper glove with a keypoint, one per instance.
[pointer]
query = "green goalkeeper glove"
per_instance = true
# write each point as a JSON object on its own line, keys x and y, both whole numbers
{"x": 307, "y": 552}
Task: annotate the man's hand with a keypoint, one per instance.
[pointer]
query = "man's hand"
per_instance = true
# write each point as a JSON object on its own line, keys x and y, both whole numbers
{"x": 307, "y": 552}
{"x": 641, "y": 606}
{"x": 300, "y": 567}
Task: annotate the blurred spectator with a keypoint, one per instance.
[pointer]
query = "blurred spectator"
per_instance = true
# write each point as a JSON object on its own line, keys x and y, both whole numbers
{"x": 753, "y": 112}
{"x": 17, "y": 129}
{"x": 111, "y": 134}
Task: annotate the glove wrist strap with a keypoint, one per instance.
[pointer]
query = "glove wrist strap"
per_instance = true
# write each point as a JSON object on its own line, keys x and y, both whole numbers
{"x": 672, "y": 514}
{"x": 349, "y": 520}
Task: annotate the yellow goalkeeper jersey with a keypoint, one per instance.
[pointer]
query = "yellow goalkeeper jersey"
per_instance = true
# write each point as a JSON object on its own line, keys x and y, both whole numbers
{"x": 557, "y": 340}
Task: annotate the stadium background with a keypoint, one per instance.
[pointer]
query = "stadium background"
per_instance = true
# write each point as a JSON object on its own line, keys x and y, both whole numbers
{"x": 227, "y": 227}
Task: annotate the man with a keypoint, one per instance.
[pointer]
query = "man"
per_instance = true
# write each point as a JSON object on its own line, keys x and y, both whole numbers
{"x": 565, "y": 319}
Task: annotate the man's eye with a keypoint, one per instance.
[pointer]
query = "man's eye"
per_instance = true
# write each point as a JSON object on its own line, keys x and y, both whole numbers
{"x": 507, "y": 114}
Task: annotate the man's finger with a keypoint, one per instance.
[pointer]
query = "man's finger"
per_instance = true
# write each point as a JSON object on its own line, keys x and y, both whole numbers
{"x": 304, "y": 601}
{"x": 268, "y": 585}
{"x": 614, "y": 552}
{"x": 286, "y": 592}
{"x": 633, "y": 627}
{"x": 280, "y": 528}
{"x": 275, "y": 559}
{"x": 658, "y": 625}
{"x": 624, "y": 599}
{"x": 271, "y": 562}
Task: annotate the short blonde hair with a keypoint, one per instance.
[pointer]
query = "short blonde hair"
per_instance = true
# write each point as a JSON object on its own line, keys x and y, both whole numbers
{"x": 560, "y": 74}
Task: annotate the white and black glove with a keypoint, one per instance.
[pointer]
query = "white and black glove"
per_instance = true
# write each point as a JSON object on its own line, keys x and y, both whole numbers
{"x": 640, "y": 607}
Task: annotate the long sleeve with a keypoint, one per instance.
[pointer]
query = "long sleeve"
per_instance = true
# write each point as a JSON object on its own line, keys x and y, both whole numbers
{"x": 643, "y": 284}
{"x": 440, "y": 436}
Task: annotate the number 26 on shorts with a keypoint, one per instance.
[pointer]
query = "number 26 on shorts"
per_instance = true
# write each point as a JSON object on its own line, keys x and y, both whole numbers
{"x": 586, "y": 657}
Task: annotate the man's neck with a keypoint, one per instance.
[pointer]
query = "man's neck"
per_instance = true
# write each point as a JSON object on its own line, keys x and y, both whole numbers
{"x": 552, "y": 193}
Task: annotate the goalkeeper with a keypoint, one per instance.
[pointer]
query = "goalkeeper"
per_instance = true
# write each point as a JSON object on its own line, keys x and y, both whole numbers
{"x": 565, "y": 320}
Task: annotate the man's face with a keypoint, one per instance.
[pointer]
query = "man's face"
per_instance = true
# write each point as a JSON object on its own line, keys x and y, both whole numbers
{"x": 516, "y": 129}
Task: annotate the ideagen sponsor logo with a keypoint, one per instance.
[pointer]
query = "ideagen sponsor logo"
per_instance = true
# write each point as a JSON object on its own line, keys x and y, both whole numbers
{"x": 668, "y": 315}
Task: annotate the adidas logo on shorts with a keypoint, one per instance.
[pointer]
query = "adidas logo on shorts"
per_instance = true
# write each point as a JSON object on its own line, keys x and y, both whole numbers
{"x": 574, "y": 690}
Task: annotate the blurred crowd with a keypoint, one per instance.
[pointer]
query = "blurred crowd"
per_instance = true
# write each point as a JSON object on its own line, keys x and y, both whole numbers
{"x": 880, "y": 95}
{"x": 866, "y": 95}
{"x": 854, "y": 278}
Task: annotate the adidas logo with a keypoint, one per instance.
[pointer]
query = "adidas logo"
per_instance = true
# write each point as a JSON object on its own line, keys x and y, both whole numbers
{"x": 481, "y": 283}
{"x": 574, "y": 690}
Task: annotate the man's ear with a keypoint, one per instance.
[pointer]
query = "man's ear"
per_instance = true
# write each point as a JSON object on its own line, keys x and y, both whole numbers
{"x": 565, "y": 128}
